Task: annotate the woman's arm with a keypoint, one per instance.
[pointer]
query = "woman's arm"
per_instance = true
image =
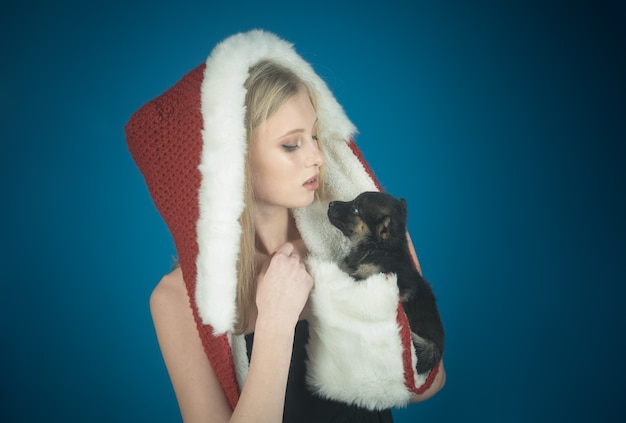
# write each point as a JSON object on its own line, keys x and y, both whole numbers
{"x": 281, "y": 294}
{"x": 199, "y": 394}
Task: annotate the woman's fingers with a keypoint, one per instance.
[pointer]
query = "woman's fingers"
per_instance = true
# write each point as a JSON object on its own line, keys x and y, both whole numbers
{"x": 286, "y": 249}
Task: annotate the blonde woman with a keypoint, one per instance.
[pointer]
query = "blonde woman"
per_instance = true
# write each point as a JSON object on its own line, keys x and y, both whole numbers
{"x": 241, "y": 157}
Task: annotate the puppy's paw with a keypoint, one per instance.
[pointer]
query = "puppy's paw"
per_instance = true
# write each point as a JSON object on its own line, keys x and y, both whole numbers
{"x": 428, "y": 355}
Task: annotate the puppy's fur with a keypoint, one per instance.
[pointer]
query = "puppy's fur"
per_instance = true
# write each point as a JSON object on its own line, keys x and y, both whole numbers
{"x": 375, "y": 224}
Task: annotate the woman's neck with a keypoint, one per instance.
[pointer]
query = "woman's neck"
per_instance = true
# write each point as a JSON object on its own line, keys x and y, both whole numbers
{"x": 274, "y": 227}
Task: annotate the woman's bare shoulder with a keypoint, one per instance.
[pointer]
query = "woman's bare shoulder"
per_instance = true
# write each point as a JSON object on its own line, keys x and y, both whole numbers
{"x": 199, "y": 394}
{"x": 170, "y": 294}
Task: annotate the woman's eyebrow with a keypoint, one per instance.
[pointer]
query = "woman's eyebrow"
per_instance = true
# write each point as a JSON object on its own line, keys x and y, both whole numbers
{"x": 293, "y": 131}
{"x": 297, "y": 130}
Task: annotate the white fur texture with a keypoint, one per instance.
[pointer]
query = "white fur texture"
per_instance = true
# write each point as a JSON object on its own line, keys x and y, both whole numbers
{"x": 354, "y": 349}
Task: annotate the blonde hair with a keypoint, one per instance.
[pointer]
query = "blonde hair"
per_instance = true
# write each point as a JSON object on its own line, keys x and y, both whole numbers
{"x": 268, "y": 87}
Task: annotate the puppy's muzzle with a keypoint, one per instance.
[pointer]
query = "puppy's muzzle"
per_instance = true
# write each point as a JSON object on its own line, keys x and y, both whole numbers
{"x": 335, "y": 216}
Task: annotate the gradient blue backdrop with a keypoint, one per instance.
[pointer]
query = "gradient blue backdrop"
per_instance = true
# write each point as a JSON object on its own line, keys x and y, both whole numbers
{"x": 501, "y": 123}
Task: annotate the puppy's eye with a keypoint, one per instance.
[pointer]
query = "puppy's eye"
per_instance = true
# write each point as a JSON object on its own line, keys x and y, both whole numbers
{"x": 355, "y": 209}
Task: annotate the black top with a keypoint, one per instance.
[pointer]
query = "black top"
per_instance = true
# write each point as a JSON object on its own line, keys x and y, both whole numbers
{"x": 302, "y": 406}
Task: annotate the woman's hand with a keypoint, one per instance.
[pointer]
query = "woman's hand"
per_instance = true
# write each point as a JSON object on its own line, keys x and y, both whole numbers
{"x": 283, "y": 288}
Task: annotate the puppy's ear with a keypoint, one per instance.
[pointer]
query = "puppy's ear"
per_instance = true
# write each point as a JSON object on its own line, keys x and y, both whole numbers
{"x": 382, "y": 229}
{"x": 403, "y": 203}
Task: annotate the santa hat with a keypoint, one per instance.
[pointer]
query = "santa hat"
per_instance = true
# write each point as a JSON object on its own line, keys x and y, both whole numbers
{"x": 190, "y": 145}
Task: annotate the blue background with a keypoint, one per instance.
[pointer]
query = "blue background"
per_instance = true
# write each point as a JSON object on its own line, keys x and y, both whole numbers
{"x": 501, "y": 123}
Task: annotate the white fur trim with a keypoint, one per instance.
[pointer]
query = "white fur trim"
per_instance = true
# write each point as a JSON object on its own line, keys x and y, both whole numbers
{"x": 355, "y": 349}
{"x": 223, "y": 157}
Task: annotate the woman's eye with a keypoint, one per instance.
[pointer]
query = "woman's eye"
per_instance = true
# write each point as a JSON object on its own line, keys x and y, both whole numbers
{"x": 295, "y": 144}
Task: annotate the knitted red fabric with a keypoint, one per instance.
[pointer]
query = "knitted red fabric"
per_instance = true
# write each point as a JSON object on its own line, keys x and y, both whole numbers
{"x": 165, "y": 140}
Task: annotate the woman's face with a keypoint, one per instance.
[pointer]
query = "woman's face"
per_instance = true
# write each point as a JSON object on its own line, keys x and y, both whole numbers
{"x": 285, "y": 156}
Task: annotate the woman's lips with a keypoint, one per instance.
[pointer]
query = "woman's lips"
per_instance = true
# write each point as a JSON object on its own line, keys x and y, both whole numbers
{"x": 312, "y": 183}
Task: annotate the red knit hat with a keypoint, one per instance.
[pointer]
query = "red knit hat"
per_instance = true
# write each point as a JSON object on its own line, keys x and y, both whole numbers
{"x": 190, "y": 145}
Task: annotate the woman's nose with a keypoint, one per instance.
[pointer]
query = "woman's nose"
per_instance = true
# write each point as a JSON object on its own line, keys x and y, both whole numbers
{"x": 315, "y": 156}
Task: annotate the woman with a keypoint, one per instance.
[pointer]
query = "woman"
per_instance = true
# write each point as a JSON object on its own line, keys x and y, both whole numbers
{"x": 240, "y": 157}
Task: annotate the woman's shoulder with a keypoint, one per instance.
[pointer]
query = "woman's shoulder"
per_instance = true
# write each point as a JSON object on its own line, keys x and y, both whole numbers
{"x": 170, "y": 293}
{"x": 199, "y": 393}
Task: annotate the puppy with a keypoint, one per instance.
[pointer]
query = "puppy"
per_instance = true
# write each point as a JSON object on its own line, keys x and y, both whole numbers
{"x": 375, "y": 224}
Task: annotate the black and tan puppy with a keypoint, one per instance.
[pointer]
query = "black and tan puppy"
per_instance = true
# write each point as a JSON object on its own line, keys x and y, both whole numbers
{"x": 375, "y": 224}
